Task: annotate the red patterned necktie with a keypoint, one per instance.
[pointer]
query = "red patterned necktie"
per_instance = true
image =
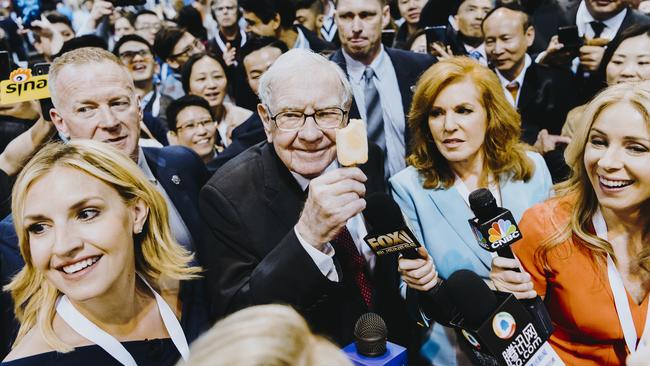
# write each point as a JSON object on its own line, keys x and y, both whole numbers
{"x": 354, "y": 262}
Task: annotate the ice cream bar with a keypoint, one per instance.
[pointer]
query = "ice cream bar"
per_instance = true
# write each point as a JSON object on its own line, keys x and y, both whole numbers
{"x": 352, "y": 143}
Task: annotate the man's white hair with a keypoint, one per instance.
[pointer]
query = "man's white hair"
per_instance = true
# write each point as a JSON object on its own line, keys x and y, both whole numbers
{"x": 301, "y": 63}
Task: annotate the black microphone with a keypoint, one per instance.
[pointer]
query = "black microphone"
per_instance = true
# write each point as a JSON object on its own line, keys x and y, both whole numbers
{"x": 494, "y": 227}
{"x": 388, "y": 233}
{"x": 496, "y": 328}
{"x": 371, "y": 347}
{"x": 500, "y": 228}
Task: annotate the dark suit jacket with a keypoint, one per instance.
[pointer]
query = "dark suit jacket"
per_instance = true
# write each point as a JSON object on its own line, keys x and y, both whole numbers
{"x": 182, "y": 174}
{"x": 249, "y": 133}
{"x": 315, "y": 44}
{"x": 252, "y": 255}
{"x": 547, "y": 95}
{"x": 595, "y": 81}
{"x": 408, "y": 68}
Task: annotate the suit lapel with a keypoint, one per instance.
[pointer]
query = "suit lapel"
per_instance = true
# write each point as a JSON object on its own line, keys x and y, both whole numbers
{"x": 528, "y": 90}
{"x": 177, "y": 190}
{"x": 337, "y": 57}
{"x": 282, "y": 192}
{"x": 454, "y": 210}
{"x": 405, "y": 79}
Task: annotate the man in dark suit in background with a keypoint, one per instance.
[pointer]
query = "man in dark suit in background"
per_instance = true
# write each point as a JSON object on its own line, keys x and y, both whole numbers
{"x": 275, "y": 18}
{"x": 381, "y": 78}
{"x": 542, "y": 95}
{"x": 284, "y": 218}
{"x": 598, "y": 23}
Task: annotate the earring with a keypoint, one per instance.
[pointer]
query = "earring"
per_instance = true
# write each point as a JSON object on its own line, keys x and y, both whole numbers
{"x": 137, "y": 230}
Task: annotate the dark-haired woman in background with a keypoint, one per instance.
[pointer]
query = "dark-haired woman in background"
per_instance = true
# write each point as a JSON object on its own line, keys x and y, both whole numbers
{"x": 205, "y": 75}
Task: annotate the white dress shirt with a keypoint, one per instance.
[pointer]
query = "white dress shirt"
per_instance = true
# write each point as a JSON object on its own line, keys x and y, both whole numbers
{"x": 480, "y": 49}
{"x": 583, "y": 18}
{"x": 356, "y": 227}
{"x": 328, "y": 29}
{"x": 301, "y": 41}
{"x": 391, "y": 104}
{"x": 520, "y": 79}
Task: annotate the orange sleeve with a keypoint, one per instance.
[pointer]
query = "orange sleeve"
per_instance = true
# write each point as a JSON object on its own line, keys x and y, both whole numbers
{"x": 534, "y": 227}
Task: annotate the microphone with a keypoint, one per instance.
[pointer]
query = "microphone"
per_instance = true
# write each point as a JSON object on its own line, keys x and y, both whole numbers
{"x": 500, "y": 228}
{"x": 388, "y": 233}
{"x": 370, "y": 347}
{"x": 492, "y": 222}
{"x": 497, "y": 329}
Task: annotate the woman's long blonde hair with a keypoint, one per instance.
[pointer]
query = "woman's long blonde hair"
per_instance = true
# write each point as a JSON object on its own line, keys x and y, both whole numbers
{"x": 583, "y": 200}
{"x": 157, "y": 254}
{"x": 271, "y": 335}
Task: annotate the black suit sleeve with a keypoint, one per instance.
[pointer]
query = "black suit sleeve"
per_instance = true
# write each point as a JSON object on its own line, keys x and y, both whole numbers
{"x": 241, "y": 274}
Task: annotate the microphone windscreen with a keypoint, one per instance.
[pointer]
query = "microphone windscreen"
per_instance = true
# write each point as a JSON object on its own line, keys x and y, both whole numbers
{"x": 382, "y": 212}
{"x": 483, "y": 204}
{"x": 370, "y": 334}
{"x": 473, "y": 298}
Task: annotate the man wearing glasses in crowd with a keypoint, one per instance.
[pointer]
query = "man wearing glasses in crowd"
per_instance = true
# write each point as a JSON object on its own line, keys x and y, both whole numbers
{"x": 137, "y": 55}
{"x": 147, "y": 24}
{"x": 284, "y": 219}
{"x": 175, "y": 46}
{"x": 230, "y": 37}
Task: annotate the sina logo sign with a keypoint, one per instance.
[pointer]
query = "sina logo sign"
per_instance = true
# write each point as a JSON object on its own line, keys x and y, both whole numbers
{"x": 504, "y": 325}
{"x": 502, "y": 232}
{"x": 22, "y": 86}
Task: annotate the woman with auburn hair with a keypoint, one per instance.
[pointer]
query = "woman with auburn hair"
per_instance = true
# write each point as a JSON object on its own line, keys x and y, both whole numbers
{"x": 103, "y": 275}
{"x": 465, "y": 136}
{"x": 270, "y": 335}
{"x": 588, "y": 250}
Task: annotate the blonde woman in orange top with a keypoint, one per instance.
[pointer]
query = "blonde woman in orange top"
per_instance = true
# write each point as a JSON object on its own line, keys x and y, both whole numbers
{"x": 587, "y": 252}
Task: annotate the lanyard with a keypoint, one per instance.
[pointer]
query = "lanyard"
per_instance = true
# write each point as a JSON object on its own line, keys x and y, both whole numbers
{"x": 618, "y": 289}
{"x": 107, "y": 342}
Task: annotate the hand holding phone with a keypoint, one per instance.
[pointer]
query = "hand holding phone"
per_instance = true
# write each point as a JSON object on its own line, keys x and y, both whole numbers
{"x": 436, "y": 35}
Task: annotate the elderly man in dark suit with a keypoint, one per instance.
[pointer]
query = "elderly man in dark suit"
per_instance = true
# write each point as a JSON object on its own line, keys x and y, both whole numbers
{"x": 381, "y": 78}
{"x": 542, "y": 95}
{"x": 284, "y": 218}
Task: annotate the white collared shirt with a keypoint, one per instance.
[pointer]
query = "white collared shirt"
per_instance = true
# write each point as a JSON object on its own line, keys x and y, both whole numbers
{"x": 391, "y": 104}
{"x": 301, "y": 41}
{"x": 520, "y": 79}
{"x": 481, "y": 49}
{"x": 356, "y": 227}
{"x": 583, "y": 18}
{"x": 328, "y": 29}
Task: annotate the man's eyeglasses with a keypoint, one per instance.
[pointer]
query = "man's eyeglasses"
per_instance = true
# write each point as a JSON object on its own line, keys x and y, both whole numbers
{"x": 327, "y": 118}
{"x": 149, "y": 26}
{"x": 128, "y": 56}
{"x": 195, "y": 47}
{"x": 192, "y": 126}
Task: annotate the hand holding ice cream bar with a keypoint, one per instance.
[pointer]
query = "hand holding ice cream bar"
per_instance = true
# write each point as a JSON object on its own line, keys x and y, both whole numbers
{"x": 352, "y": 143}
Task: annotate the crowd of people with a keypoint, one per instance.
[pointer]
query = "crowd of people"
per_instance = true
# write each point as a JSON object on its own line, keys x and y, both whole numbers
{"x": 184, "y": 184}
